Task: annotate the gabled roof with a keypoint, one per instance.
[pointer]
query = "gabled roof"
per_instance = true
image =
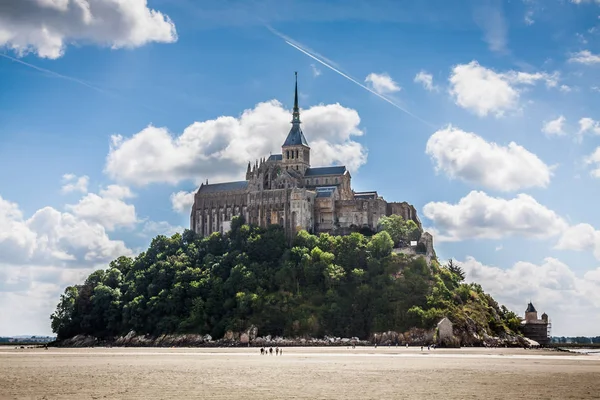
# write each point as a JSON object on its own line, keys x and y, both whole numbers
{"x": 275, "y": 157}
{"x": 223, "y": 187}
{"x": 337, "y": 170}
{"x": 530, "y": 308}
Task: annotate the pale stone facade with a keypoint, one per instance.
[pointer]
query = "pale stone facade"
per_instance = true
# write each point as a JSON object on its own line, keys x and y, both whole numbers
{"x": 284, "y": 189}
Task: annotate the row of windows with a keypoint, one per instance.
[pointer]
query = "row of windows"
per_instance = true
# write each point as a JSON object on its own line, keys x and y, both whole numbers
{"x": 316, "y": 181}
{"x": 291, "y": 153}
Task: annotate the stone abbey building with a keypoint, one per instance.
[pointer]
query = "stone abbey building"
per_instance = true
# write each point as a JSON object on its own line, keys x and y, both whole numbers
{"x": 285, "y": 189}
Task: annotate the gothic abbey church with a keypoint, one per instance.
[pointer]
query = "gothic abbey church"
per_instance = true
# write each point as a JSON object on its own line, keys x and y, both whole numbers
{"x": 284, "y": 189}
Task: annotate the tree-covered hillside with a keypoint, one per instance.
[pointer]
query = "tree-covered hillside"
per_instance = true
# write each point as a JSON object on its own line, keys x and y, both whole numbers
{"x": 319, "y": 285}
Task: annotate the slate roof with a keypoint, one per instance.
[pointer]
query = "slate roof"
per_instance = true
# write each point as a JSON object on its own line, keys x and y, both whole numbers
{"x": 530, "y": 308}
{"x": 365, "y": 195}
{"x": 224, "y": 187}
{"x": 295, "y": 137}
{"x": 337, "y": 170}
{"x": 275, "y": 157}
{"x": 325, "y": 191}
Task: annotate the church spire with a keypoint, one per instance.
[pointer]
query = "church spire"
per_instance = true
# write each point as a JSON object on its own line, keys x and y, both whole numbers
{"x": 296, "y": 112}
{"x": 295, "y": 137}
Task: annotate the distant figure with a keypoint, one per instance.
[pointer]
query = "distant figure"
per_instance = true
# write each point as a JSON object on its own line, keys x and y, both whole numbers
{"x": 262, "y": 351}
{"x": 280, "y": 352}
{"x": 421, "y": 348}
{"x": 271, "y": 350}
{"x": 276, "y": 351}
{"x": 375, "y": 345}
{"x": 428, "y": 347}
{"x": 407, "y": 345}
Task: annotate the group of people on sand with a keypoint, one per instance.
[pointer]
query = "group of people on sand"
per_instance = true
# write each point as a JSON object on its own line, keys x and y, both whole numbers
{"x": 278, "y": 351}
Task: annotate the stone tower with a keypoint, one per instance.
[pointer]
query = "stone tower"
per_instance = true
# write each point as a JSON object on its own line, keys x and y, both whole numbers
{"x": 530, "y": 313}
{"x": 295, "y": 150}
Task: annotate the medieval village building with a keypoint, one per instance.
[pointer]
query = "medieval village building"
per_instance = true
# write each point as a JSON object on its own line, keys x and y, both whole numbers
{"x": 285, "y": 189}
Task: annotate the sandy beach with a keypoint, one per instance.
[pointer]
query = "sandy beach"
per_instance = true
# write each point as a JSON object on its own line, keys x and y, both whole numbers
{"x": 300, "y": 373}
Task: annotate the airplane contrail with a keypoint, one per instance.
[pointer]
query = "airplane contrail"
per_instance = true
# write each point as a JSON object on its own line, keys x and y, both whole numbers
{"x": 297, "y": 47}
{"x": 69, "y": 78}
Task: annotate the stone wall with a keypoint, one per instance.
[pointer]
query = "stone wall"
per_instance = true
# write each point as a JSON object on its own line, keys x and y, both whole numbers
{"x": 405, "y": 210}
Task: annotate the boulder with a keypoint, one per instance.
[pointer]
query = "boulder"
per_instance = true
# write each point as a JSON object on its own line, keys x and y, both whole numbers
{"x": 244, "y": 338}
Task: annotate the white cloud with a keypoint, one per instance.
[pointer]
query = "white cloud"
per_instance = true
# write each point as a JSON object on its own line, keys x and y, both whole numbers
{"x": 588, "y": 125}
{"x": 529, "y": 17}
{"x": 594, "y": 159}
{"x": 152, "y": 228}
{"x": 221, "y": 148}
{"x": 182, "y": 201}
{"x": 479, "y": 216}
{"x": 72, "y": 183}
{"x": 426, "y": 79}
{"x": 382, "y": 83}
{"x": 491, "y": 20}
{"x": 584, "y": 1}
{"x": 595, "y": 89}
{"x": 471, "y": 158}
{"x": 484, "y": 91}
{"x": 580, "y": 237}
{"x": 565, "y": 88}
{"x": 555, "y": 126}
{"x": 585, "y": 57}
{"x": 47, "y": 26}
{"x": 316, "y": 71}
{"x": 107, "y": 209}
{"x": 568, "y": 299}
{"x": 50, "y": 236}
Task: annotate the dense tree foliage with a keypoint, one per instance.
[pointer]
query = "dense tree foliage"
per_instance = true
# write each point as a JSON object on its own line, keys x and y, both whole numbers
{"x": 318, "y": 285}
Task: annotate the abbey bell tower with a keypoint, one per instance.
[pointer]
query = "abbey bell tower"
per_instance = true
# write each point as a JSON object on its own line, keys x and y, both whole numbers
{"x": 295, "y": 150}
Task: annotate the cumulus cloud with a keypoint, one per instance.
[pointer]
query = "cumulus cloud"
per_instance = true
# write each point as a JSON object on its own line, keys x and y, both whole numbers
{"x": 585, "y": 57}
{"x": 588, "y": 125}
{"x": 553, "y": 287}
{"x": 221, "y": 148}
{"x": 153, "y": 228}
{"x": 426, "y": 79}
{"x": 51, "y": 236}
{"x": 594, "y": 160}
{"x": 555, "y": 127}
{"x": 107, "y": 209}
{"x": 580, "y": 237}
{"x": 484, "y": 91}
{"x": 47, "y": 26}
{"x": 73, "y": 183}
{"x": 382, "y": 83}
{"x": 480, "y": 216}
{"x": 182, "y": 201}
{"x": 469, "y": 157}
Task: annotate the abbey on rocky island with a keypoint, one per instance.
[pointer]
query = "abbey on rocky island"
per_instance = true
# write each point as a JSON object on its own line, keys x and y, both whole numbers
{"x": 284, "y": 189}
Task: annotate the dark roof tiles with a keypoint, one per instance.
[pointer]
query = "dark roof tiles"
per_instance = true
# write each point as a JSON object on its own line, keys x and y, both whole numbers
{"x": 223, "y": 187}
{"x": 337, "y": 170}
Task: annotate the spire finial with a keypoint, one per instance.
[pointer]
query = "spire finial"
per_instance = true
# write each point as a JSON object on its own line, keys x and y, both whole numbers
{"x": 296, "y": 113}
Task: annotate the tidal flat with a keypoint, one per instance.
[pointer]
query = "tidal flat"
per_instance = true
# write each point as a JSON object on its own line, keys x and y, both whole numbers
{"x": 300, "y": 373}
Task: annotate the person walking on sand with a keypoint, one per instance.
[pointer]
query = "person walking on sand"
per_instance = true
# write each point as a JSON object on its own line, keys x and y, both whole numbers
{"x": 271, "y": 350}
{"x": 276, "y": 351}
{"x": 280, "y": 352}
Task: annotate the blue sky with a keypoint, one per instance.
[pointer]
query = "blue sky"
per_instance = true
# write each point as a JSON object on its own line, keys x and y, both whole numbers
{"x": 110, "y": 116}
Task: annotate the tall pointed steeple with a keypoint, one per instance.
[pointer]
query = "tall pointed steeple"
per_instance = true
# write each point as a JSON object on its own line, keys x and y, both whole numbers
{"x": 296, "y": 112}
{"x": 295, "y": 137}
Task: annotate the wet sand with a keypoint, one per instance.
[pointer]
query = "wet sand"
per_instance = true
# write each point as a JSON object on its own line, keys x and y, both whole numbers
{"x": 300, "y": 373}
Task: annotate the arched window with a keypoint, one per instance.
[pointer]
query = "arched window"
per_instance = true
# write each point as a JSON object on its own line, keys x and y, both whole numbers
{"x": 287, "y": 154}
{"x": 296, "y": 168}
{"x": 296, "y": 153}
{"x": 326, "y": 180}
{"x": 316, "y": 181}
{"x": 336, "y": 180}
